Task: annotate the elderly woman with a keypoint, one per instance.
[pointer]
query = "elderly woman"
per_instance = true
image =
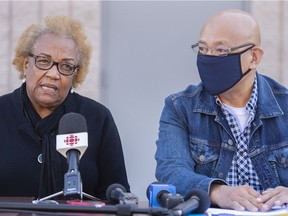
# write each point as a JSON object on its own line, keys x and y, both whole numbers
{"x": 53, "y": 59}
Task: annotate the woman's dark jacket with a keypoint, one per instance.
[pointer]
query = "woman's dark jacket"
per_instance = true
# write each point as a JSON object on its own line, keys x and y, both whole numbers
{"x": 101, "y": 165}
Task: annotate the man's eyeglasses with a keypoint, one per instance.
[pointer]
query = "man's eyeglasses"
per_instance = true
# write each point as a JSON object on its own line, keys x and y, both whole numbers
{"x": 217, "y": 51}
{"x": 46, "y": 63}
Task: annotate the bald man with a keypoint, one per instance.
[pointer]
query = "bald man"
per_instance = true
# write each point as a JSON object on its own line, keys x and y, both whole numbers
{"x": 227, "y": 135}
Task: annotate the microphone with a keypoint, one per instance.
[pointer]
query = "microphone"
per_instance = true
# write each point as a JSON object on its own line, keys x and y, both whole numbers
{"x": 116, "y": 193}
{"x": 196, "y": 202}
{"x": 71, "y": 142}
{"x": 164, "y": 195}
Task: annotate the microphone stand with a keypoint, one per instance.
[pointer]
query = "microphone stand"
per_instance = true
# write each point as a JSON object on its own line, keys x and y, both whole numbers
{"x": 72, "y": 181}
{"x": 62, "y": 193}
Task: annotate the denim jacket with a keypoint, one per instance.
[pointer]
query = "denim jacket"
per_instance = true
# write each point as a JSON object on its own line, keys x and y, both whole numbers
{"x": 195, "y": 146}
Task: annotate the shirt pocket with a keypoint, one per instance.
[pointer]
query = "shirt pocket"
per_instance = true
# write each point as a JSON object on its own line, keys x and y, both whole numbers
{"x": 205, "y": 154}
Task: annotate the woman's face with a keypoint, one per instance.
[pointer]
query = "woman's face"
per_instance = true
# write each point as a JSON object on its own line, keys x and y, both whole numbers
{"x": 47, "y": 89}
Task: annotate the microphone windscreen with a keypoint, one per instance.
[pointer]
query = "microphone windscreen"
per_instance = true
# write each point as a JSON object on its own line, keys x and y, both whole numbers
{"x": 204, "y": 200}
{"x": 111, "y": 188}
{"x": 72, "y": 123}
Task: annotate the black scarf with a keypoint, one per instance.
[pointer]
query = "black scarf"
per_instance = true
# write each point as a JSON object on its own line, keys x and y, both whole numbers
{"x": 51, "y": 176}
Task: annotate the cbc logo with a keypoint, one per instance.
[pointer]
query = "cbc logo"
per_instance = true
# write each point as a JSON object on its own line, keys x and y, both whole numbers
{"x": 71, "y": 140}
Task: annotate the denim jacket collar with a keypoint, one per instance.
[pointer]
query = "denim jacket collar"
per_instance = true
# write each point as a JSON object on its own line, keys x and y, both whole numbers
{"x": 267, "y": 105}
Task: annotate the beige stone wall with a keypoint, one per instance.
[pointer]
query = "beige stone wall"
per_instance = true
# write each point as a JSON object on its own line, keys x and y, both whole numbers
{"x": 273, "y": 19}
{"x": 15, "y": 16}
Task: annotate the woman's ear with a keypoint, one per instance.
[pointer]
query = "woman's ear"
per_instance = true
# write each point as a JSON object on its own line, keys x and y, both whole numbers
{"x": 76, "y": 72}
{"x": 25, "y": 65}
{"x": 257, "y": 53}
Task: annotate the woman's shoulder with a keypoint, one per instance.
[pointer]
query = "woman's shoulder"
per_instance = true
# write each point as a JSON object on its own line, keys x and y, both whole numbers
{"x": 9, "y": 97}
{"x": 86, "y": 104}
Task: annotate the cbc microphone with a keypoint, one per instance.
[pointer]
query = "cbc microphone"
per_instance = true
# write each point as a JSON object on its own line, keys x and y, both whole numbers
{"x": 196, "y": 202}
{"x": 163, "y": 195}
{"x": 71, "y": 142}
{"x": 116, "y": 193}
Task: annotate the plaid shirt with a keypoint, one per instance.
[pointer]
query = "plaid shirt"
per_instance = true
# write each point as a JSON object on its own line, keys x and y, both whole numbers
{"x": 241, "y": 171}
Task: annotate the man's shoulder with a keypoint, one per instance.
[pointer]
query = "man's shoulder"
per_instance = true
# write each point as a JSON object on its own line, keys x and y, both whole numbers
{"x": 275, "y": 86}
{"x": 190, "y": 92}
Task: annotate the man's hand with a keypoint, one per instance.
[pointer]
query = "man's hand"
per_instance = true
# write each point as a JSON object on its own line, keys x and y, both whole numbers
{"x": 239, "y": 198}
{"x": 273, "y": 197}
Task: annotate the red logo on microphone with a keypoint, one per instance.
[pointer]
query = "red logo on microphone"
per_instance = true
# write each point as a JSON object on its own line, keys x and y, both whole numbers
{"x": 71, "y": 140}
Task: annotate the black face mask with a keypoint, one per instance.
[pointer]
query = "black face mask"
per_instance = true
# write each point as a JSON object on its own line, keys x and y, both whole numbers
{"x": 220, "y": 73}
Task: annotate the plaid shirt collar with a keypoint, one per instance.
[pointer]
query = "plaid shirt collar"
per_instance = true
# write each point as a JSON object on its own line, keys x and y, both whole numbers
{"x": 252, "y": 103}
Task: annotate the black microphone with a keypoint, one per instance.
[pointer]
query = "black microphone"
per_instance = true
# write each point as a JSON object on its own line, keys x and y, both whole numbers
{"x": 116, "y": 193}
{"x": 164, "y": 195}
{"x": 196, "y": 202}
{"x": 72, "y": 142}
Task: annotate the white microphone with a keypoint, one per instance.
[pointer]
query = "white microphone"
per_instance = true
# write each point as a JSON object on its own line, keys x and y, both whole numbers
{"x": 72, "y": 134}
{"x": 71, "y": 142}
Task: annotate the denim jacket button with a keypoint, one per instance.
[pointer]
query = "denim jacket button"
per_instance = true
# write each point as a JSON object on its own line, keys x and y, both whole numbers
{"x": 202, "y": 158}
{"x": 220, "y": 175}
{"x": 230, "y": 142}
{"x": 283, "y": 160}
